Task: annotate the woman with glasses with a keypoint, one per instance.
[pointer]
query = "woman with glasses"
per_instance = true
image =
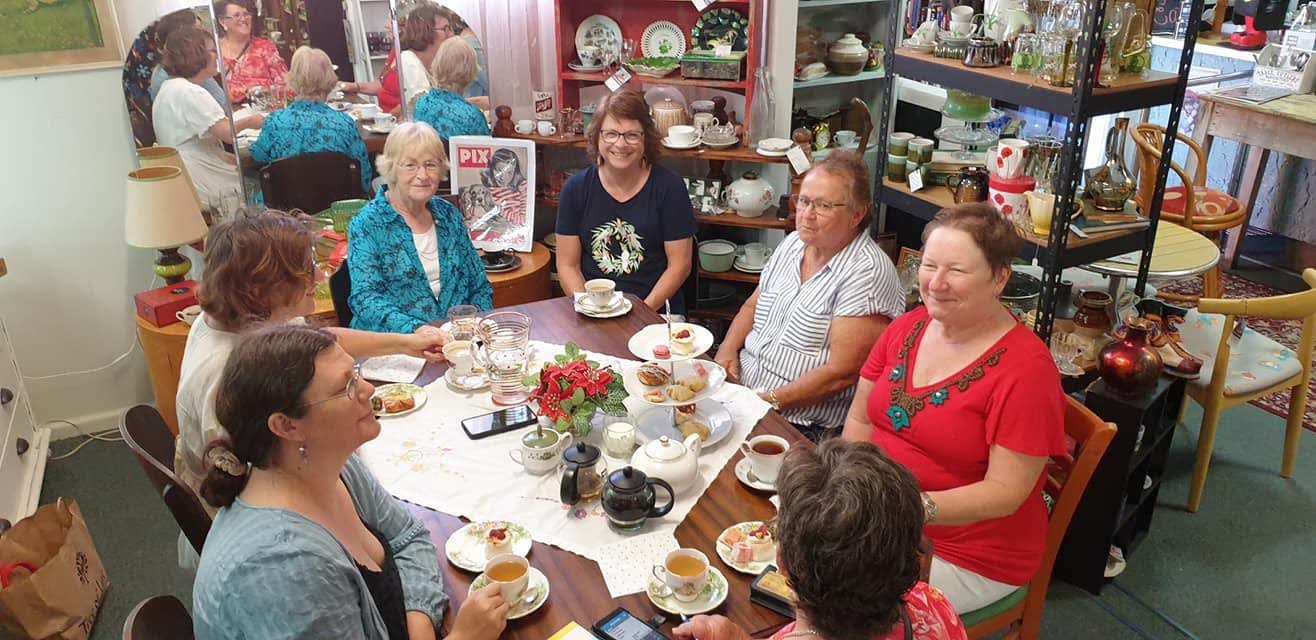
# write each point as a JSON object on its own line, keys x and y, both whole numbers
{"x": 250, "y": 61}
{"x": 410, "y": 257}
{"x": 633, "y": 215}
{"x": 825, "y": 295}
{"x": 307, "y": 544}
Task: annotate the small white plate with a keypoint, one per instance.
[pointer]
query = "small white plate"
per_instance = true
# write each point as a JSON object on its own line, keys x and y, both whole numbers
{"x": 716, "y": 376}
{"x": 473, "y": 382}
{"x": 730, "y": 142}
{"x": 583, "y": 301}
{"x": 466, "y": 548}
{"x": 380, "y": 130}
{"x": 770, "y": 154}
{"x": 659, "y": 422}
{"x": 775, "y": 145}
{"x": 396, "y": 389}
{"x": 642, "y": 343}
{"x": 740, "y": 265}
{"x": 584, "y": 69}
{"x": 753, "y": 567}
{"x": 746, "y": 477}
{"x": 616, "y": 312}
{"x": 667, "y": 142}
{"x": 536, "y": 587}
{"x": 712, "y": 597}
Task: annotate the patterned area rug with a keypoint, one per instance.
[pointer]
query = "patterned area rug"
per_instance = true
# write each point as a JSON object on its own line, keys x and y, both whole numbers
{"x": 1285, "y": 332}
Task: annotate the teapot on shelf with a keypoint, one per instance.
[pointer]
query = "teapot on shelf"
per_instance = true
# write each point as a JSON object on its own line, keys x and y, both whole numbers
{"x": 749, "y": 196}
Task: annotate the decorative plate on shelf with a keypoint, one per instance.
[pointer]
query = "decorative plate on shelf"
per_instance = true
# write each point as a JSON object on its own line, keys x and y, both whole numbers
{"x": 600, "y": 31}
{"x": 662, "y": 39}
{"x": 721, "y": 26}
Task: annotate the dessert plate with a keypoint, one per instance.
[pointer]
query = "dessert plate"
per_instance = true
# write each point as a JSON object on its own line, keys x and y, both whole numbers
{"x": 713, "y": 377}
{"x": 753, "y": 567}
{"x": 642, "y": 343}
{"x": 534, "y": 596}
{"x": 662, "y": 39}
{"x": 467, "y": 549}
{"x": 599, "y": 31}
{"x": 656, "y": 423}
{"x": 398, "y": 390}
{"x": 712, "y": 597}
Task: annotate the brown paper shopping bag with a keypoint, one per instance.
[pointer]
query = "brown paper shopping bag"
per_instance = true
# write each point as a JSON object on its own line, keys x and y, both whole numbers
{"x": 60, "y": 599}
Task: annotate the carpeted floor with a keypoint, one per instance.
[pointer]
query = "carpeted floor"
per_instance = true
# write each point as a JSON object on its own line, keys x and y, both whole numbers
{"x": 1285, "y": 332}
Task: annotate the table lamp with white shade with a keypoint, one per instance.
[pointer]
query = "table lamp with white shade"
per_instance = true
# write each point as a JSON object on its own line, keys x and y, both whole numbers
{"x": 161, "y": 213}
{"x": 158, "y": 156}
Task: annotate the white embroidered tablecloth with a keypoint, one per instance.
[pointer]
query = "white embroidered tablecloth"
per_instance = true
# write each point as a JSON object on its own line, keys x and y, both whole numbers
{"x": 425, "y": 457}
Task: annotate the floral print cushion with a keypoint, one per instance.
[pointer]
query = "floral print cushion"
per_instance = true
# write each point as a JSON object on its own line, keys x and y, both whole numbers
{"x": 1209, "y": 202}
{"x": 1255, "y": 362}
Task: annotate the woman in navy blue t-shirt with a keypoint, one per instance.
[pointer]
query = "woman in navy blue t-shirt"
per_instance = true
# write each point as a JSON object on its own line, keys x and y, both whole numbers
{"x": 626, "y": 218}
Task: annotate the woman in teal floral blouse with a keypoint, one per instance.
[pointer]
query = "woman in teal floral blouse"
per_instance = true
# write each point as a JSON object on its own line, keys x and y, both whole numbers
{"x": 409, "y": 255}
{"x": 454, "y": 68}
{"x": 308, "y": 125}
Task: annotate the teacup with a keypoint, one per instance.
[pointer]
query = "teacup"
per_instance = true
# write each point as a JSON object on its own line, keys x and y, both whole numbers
{"x": 189, "y": 315}
{"x": 599, "y": 291}
{"x": 540, "y": 450}
{"x": 845, "y": 137}
{"x": 684, "y": 572}
{"x": 368, "y": 111}
{"x": 765, "y": 454}
{"x": 961, "y": 13}
{"x": 589, "y": 55}
{"x": 1010, "y": 154}
{"x": 702, "y": 122}
{"x": 545, "y": 128}
{"x": 525, "y": 127}
{"x": 755, "y": 254}
{"x": 385, "y": 121}
{"x": 682, "y": 135}
{"x": 510, "y": 572}
{"x": 460, "y": 356}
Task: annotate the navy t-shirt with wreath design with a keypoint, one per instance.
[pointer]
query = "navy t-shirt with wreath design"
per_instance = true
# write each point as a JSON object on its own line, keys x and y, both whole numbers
{"x": 623, "y": 241}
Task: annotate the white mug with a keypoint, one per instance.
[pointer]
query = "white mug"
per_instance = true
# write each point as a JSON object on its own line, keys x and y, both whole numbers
{"x": 369, "y": 110}
{"x": 385, "y": 120}
{"x": 511, "y": 589}
{"x": 189, "y": 315}
{"x": 961, "y": 13}
{"x": 845, "y": 137}
{"x": 686, "y": 588}
{"x": 702, "y": 122}
{"x": 765, "y": 455}
{"x": 1009, "y": 161}
{"x": 756, "y": 253}
{"x": 682, "y": 134}
{"x": 525, "y": 127}
{"x": 460, "y": 356}
{"x": 546, "y": 128}
{"x": 544, "y": 455}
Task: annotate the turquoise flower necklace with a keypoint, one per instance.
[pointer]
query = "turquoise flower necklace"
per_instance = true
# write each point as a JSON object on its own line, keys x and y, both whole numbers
{"x": 905, "y": 405}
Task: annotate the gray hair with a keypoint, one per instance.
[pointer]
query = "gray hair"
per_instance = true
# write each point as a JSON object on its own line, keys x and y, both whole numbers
{"x": 455, "y": 65}
{"x": 410, "y": 140}
{"x": 311, "y": 74}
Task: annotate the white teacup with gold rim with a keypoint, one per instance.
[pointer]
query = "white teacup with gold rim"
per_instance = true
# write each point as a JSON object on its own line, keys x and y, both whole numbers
{"x": 684, "y": 572}
{"x": 540, "y": 450}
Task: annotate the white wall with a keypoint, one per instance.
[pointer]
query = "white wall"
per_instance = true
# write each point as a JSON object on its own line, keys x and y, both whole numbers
{"x": 68, "y": 297}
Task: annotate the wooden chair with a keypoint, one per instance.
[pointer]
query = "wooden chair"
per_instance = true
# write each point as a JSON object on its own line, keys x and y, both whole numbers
{"x": 158, "y": 618}
{"x": 152, "y": 443}
{"x": 1256, "y": 366}
{"x": 859, "y": 111}
{"x": 1192, "y": 205}
{"x": 340, "y": 289}
{"x": 311, "y": 181}
{"x": 1020, "y": 613}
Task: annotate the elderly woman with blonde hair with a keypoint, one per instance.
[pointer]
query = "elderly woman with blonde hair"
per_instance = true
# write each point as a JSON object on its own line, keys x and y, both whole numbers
{"x": 308, "y": 125}
{"x": 410, "y": 258}
{"x": 443, "y": 107}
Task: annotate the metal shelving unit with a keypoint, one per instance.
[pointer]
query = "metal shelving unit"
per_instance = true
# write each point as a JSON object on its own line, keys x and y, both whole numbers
{"x": 1079, "y": 103}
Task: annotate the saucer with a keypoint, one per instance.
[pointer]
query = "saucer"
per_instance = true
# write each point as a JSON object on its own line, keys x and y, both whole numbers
{"x": 775, "y": 145}
{"x": 585, "y": 305}
{"x": 537, "y": 586}
{"x": 712, "y": 597}
{"x": 740, "y": 265}
{"x": 501, "y": 266}
{"x": 614, "y": 312}
{"x": 718, "y": 143}
{"x": 667, "y": 142}
{"x": 466, "y": 548}
{"x": 473, "y": 382}
{"x": 584, "y": 69}
{"x": 377, "y": 129}
{"x": 770, "y": 154}
{"x": 746, "y": 477}
{"x": 753, "y": 567}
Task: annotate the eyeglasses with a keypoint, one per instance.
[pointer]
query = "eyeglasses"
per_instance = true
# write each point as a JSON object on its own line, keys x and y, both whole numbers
{"x": 444, "y": 29}
{"x": 820, "y": 207}
{"x": 631, "y": 137}
{"x": 353, "y": 385}
{"x": 411, "y": 168}
{"x": 239, "y": 16}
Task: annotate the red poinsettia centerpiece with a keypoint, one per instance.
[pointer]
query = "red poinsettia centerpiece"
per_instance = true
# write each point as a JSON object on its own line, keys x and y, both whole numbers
{"x": 571, "y": 389}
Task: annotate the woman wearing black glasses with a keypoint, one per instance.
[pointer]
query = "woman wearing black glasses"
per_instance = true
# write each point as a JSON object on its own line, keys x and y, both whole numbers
{"x": 825, "y": 295}
{"x": 626, "y": 218}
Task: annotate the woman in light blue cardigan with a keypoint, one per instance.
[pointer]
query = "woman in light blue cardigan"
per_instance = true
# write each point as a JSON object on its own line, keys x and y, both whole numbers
{"x": 307, "y": 544}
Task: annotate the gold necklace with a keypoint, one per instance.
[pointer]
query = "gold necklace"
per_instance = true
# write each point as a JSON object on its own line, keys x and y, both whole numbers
{"x": 806, "y": 632}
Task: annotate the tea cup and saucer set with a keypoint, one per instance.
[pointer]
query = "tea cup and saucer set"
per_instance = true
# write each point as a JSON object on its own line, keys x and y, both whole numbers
{"x": 602, "y": 300}
{"x": 522, "y": 585}
{"x": 686, "y": 584}
{"x": 761, "y": 463}
{"x": 752, "y": 257}
{"x": 463, "y": 373}
{"x": 591, "y": 59}
{"x": 682, "y": 136}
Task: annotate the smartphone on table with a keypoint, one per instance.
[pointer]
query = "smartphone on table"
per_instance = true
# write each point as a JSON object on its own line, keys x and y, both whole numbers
{"x": 500, "y": 421}
{"x": 623, "y": 625}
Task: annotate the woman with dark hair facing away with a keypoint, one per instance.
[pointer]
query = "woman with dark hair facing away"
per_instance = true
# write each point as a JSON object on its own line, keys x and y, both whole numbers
{"x": 633, "y": 215}
{"x": 307, "y": 544}
{"x": 968, "y": 399}
{"x": 848, "y": 536}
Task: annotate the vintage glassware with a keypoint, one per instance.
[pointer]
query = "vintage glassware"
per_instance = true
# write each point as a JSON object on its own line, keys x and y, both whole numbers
{"x": 1111, "y": 184}
{"x": 582, "y": 477}
{"x": 629, "y": 498}
{"x": 1136, "y": 56}
{"x": 463, "y": 319}
{"x": 1044, "y": 161}
{"x": 1059, "y": 65}
{"x": 506, "y": 351}
{"x": 1113, "y": 33}
{"x": 1027, "y": 57}
{"x": 1130, "y": 365}
{"x": 1092, "y": 318}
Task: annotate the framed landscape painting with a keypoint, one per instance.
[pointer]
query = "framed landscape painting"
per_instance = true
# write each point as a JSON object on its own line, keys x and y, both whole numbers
{"x": 44, "y": 36}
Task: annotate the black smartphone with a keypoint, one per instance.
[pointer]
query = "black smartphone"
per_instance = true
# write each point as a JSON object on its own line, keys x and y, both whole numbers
{"x": 623, "y": 625}
{"x": 483, "y": 426}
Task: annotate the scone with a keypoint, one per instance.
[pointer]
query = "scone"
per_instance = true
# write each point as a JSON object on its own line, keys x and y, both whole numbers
{"x": 680, "y": 393}
{"x": 693, "y": 383}
{"x": 652, "y": 375}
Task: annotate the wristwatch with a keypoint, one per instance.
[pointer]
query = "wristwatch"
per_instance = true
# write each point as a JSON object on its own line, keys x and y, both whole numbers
{"x": 929, "y": 508}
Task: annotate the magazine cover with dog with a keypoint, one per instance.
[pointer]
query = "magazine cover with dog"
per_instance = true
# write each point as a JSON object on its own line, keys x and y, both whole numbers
{"x": 494, "y": 180}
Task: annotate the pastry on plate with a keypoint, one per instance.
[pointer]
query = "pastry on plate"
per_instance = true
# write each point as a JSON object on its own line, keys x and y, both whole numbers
{"x": 497, "y": 541}
{"x": 654, "y": 395}
{"x": 683, "y": 340}
{"x": 685, "y": 413}
{"x": 693, "y": 383}
{"x": 392, "y": 404}
{"x": 680, "y": 393}
{"x": 661, "y": 352}
{"x": 692, "y": 425}
{"x": 762, "y": 543}
{"x": 652, "y": 375}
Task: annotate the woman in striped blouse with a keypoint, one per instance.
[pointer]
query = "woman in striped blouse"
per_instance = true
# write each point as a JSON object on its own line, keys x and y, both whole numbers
{"x": 824, "y": 297}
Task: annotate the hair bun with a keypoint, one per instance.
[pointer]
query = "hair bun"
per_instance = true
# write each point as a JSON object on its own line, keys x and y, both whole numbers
{"x": 221, "y": 457}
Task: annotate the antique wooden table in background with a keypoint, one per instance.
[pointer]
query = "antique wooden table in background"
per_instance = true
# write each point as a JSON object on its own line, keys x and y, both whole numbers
{"x": 577, "y": 591}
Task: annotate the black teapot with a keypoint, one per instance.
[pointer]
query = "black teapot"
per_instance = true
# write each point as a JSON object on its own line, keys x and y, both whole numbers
{"x": 629, "y": 498}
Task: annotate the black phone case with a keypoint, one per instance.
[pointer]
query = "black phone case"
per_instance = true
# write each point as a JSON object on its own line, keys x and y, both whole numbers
{"x": 497, "y": 430}
{"x": 770, "y": 598}
{"x": 597, "y": 628}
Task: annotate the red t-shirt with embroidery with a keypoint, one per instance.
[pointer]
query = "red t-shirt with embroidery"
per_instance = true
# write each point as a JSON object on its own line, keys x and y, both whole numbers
{"x": 389, "y": 93}
{"x": 944, "y": 432}
{"x": 930, "y": 614}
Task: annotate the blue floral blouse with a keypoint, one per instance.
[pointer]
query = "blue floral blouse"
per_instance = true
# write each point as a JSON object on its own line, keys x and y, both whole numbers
{"x": 451, "y": 115}
{"x": 389, "y": 290}
{"x": 310, "y": 127}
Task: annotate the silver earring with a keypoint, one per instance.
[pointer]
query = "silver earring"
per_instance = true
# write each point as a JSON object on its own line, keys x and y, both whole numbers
{"x": 302, "y": 451}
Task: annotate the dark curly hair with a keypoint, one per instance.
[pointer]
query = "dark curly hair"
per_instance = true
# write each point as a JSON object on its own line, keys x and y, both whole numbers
{"x": 992, "y": 232}
{"x": 848, "y": 533}
{"x": 417, "y": 31}
{"x": 254, "y": 263}
{"x": 267, "y": 373}
{"x": 624, "y": 105}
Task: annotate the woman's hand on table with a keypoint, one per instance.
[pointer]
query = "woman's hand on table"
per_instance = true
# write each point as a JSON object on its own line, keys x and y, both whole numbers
{"x": 482, "y": 617}
{"x": 426, "y": 342}
{"x": 729, "y": 361}
{"x": 709, "y": 628}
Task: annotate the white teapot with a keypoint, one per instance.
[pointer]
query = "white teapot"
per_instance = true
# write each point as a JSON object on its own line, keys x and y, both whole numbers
{"x": 675, "y": 461}
{"x": 749, "y": 196}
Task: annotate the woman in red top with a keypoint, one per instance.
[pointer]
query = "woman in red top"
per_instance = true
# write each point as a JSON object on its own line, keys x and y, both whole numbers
{"x": 969, "y": 400}
{"x": 249, "y": 60}
{"x": 848, "y": 538}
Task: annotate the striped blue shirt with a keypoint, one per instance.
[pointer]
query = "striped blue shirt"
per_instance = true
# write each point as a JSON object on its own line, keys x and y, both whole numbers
{"x": 793, "y": 319}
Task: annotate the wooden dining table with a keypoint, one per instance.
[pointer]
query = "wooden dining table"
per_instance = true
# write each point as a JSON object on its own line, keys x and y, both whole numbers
{"x": 577, "y": 589}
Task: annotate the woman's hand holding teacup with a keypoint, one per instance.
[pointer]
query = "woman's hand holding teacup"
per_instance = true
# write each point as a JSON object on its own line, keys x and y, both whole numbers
{"x": 482, "y": 617}
{"x": 426, "y": 342}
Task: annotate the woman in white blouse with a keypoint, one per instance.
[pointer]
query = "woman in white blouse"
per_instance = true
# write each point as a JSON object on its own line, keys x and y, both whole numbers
{"x": 187, "y": 117}
{"x": 824, "y": 297}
